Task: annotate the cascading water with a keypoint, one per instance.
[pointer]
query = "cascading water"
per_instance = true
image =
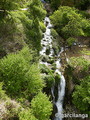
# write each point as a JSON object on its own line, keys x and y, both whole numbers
{"x": 45, "y": 42}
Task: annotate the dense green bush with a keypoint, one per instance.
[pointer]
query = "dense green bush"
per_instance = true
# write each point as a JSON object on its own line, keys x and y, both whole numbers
{"x": 67, "y": 22}
{"x": 37, "y": 14}
{"x": 41, "y": 106}
{"x": 86, "y": 26}
{"x": 42, "y": 26}
{"x": 26, "y": 114}
{"x": 20, "y": 76}
{"x": 79, "y": 63}
{"x": 37, "y": 10}
{"x": 54, "y": 33}
{"x": 82, "y": 4}
{"x": 3, "y": 96}
{"x": 81, "y": 95}
{"x": 70, "y": 41}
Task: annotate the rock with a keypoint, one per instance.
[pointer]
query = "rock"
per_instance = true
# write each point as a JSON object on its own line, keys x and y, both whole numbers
{"x": 48, "y": 51}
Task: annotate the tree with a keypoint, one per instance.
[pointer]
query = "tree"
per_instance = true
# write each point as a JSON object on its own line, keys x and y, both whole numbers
{"x": 37, "y": 10}
{"x": 67, "y": 22}
{"x": 81, "y": 95}
{"x": 55, "y": 4}
{"x": 82, "y": 4}
{"x": 21, "y": 77}
{"x": 36, "y": 14}
{"x": 41, "y": 106}
{"x": 36, "y": 36}
{"x": 8, "y": 5}
{"x": 26, "y": 114}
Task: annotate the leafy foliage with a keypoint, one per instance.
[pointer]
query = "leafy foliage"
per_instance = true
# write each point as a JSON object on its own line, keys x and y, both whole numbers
{"x": 20, "y": 76}
{"x": 82, "y": 4}
{"x": 41, "y": 106}
{"x": 11, "y": 5}
{"x": 54, "y": 33}
{"x": 42, "y": 26}
{"x": 67, "y": 22}
{"x": 85, "y": 52}
{"x": 81, "y": 95}
{"x": 26, "y": 114}
{"x": 37, "y": 10}
{"x": 36, "y": 14}
{"x": 86, "y": 26}
{"x": 79, "y": 63}
{"x": 3, "y": 96}
{"x": 70, "y": 41}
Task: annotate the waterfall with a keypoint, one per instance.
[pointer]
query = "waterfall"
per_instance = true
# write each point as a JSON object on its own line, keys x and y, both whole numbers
{"x": 45, "y": 42}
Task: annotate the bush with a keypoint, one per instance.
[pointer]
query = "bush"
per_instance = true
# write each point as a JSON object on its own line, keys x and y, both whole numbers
{"x": 54, "y": 33}
{"x": 86, "y": 26}
{"x": 41, "y": 106}
{"x": 81, "y": 95}
{"x": 67, "y": 22}
{"x": 26, "y": 115}
{"x": 3, "y": 96}
{"x": 70, "y": 41}
{"x": 79, "y": 63}
{"x": 20, "y": 76}
{"x": 42, "y": 26}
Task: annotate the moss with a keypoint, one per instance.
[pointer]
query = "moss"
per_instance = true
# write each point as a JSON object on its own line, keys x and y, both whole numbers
{"x": 57, "y": 79}
{"x": 49, "y": 79}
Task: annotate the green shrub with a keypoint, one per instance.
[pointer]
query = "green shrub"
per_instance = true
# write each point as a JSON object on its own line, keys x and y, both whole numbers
{"x": 70, "y": 41}
{"x": 26, "y": 115}
{"x": 3, "y": 96}
{"x": 36, "y": 9}
{"x": 54, "y": 33}
{"x": 79, "y": 63}
{"x": 42, "y": 26}
{"x": 86, "y": 26}
{"x": 20, "y": 76}
{"x": 81, "y": 95}
{"x": 67, "y": 22}
{"x": 41, "y": 106}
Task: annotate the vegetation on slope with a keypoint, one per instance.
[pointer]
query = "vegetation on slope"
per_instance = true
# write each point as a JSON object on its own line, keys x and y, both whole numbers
{"x": 21, "y": 83}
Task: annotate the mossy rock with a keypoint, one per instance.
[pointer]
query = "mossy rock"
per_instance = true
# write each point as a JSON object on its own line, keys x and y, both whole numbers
{"x": 48, "y": 50}
{"x": 49, "y": 80}
{"x": 57, "y": 78}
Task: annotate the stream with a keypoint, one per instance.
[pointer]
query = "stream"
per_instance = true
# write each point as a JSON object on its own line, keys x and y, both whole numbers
{"x": 45, "y": 43}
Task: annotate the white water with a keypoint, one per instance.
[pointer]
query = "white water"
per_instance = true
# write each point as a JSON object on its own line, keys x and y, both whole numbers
{"x": 47, "y": 42}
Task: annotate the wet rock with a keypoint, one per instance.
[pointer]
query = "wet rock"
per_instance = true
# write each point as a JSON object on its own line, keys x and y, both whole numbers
{"x": 48, "y": 51}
